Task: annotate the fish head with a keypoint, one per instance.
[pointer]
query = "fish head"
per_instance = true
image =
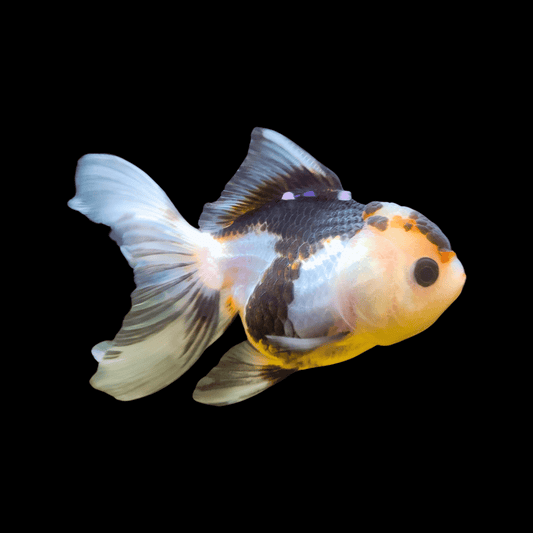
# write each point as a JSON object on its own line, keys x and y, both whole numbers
{"x": 397, "y": 275}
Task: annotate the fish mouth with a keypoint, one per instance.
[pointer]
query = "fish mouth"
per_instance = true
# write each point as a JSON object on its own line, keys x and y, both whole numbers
{"x": 458, "y": 275}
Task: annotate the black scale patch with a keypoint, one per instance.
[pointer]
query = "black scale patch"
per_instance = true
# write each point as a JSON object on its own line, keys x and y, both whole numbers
{"x": 379, "y": 222}
{"x": 371, "y": 208}
{"x": 432, "y": 232}
{"x": 302, "y": 225}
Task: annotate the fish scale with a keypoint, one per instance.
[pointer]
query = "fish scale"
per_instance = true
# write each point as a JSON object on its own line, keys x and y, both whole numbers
{"x": 302, "y": 226}
{"x": 306, "y": 220}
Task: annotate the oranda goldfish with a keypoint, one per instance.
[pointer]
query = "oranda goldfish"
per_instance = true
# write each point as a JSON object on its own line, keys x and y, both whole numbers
{"x": 316, "y": 277}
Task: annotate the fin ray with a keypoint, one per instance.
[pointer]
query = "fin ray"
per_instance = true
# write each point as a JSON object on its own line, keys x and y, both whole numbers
{"x": 242, "y": 373}
{"x": 274, "y": 165}
{"x": 178, "y": 308}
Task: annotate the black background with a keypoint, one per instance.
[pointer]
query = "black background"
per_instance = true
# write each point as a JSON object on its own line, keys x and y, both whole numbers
{"x": 406, "y": 133}
{"x": 377, "y": 159}
{"x": 411, "y": 106}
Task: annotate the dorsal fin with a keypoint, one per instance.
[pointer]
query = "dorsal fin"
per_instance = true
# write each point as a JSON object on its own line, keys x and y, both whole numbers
{"x": 274, "y": 165}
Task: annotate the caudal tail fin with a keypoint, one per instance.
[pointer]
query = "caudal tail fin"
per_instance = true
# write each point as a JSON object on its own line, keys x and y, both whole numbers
{"x": 177, "y": 307}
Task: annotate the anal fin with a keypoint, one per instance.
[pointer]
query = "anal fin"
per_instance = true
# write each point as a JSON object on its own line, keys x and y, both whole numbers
{"x": 242, "y": 373}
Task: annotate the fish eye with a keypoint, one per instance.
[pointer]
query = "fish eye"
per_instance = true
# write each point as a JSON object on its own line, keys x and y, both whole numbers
{"x": 426, "y": 272}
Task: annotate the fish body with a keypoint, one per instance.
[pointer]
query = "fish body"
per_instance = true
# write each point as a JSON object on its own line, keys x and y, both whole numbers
{"x": 316, "y": 277}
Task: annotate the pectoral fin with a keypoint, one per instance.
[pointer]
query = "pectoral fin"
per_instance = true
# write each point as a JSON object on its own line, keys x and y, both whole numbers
{"x": 242, "y": 373}
{"x": 291, "y": 344}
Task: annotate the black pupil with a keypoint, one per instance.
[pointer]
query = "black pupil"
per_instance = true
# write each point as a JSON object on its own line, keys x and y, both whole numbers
{"x": 426, "y": 272}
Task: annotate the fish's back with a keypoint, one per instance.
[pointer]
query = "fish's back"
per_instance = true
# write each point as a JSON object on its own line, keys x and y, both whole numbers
{"x": 303, "y": 221}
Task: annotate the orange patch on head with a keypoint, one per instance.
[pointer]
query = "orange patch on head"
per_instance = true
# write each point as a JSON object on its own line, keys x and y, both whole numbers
{"x": 446, "y": 256}
{"x": 396, "y": 221}
{"x": 407, "y": 224}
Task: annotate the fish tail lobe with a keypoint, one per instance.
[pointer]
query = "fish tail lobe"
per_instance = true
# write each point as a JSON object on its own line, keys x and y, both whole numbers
{"x": 178, "y": 305}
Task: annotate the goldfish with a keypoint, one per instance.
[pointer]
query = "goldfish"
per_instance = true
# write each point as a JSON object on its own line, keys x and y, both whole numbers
{"x": 316, "y": 277}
